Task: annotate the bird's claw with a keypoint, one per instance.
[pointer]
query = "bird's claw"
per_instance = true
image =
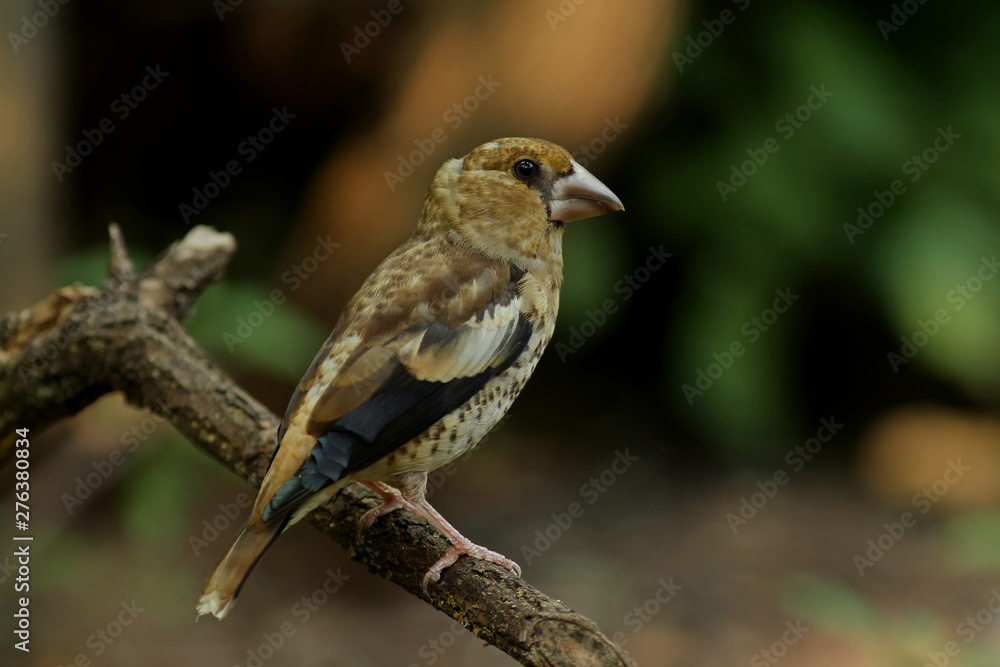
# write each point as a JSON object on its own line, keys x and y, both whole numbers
{"x": 451, "y": 557}
{"x": 392, "y": 500}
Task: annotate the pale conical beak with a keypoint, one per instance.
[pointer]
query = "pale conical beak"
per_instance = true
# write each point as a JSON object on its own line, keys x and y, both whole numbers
{"x": 579, "y": 195}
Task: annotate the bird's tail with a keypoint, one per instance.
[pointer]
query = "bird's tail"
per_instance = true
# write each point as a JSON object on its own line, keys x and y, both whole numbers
{"x": 224, "y": 583}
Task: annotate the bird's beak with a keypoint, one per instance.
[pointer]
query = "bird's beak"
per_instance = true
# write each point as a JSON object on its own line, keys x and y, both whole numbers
{"x": 577, "y": 195}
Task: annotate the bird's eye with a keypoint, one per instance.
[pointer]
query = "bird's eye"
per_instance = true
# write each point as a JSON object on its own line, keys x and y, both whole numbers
{"x": 526, "y": 170}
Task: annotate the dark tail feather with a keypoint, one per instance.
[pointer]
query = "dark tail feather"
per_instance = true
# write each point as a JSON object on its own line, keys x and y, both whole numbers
{"x": 224, "y": 583}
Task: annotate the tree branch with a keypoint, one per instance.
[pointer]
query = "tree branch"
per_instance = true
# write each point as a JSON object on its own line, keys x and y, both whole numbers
{"x": 80, "y": 343}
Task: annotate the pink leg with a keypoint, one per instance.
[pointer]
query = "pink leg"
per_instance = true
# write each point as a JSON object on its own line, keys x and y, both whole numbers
{"x": 392, "y": 498}
{"x": 411, "y": 496}
{"x": 460, "y": 545}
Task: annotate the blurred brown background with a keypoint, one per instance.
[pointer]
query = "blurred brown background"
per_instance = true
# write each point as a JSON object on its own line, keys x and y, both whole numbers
{"x": 783, "y": 438}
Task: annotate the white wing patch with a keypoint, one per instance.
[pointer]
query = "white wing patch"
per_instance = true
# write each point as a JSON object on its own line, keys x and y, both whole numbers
{"x": 467, "y": 350}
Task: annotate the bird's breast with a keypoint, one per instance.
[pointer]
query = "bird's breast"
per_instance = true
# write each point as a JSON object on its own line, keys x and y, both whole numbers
{"x": 462, "y": 429}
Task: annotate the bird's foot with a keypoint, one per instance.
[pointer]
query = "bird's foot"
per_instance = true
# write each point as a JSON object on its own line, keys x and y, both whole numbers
{"x": 411, "y": 496}
{"x": 392, "y": 500}
{"x": 467, "y": 548}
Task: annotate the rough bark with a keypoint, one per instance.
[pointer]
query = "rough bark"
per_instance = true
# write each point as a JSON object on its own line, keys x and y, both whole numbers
{"x": 80, "y": 343}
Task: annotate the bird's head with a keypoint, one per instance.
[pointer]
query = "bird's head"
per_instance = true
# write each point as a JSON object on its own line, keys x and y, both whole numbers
{"x": 510, "y": 198}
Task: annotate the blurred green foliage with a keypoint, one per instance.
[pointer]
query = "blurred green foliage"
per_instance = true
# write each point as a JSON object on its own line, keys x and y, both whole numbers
{"x": 281, "y": 345}
{"x": 972, "y": 541}
{"x": 894, "y": 636}
{"x": 751, "y": 101}
{"x": 785, "y": 226}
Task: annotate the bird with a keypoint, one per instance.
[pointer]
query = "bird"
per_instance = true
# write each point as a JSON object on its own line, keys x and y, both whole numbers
{"x": 429, "y": 354}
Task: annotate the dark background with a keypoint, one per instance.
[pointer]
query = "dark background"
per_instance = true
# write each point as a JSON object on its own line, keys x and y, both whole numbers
{"x": 660, "y": 100}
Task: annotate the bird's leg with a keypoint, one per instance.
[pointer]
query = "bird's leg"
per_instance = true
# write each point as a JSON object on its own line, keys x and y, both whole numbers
{"x": 411, "y": 495}
{"x": 392, "y": 500}
{"x": 460, "y": 545}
